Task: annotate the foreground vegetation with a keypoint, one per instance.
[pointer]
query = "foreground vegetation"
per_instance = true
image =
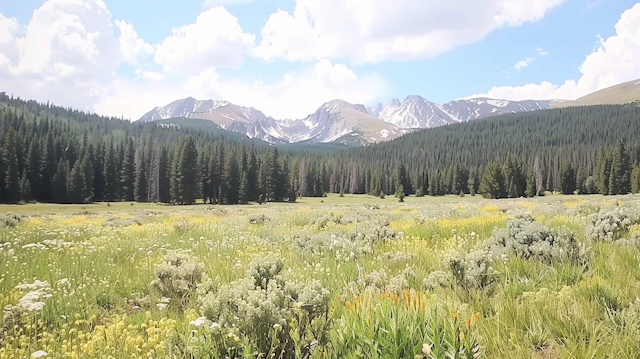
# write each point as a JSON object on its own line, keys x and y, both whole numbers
{"x": 551, "y": 277}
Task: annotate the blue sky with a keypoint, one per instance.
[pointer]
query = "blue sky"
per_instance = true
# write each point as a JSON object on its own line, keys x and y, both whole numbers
{"x": 557, "y": 42}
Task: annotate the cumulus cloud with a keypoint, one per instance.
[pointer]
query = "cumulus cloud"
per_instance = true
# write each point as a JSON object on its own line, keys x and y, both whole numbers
{"x": 215, "y": 39}
{"x": 615, "y": 60}
{"x": 378, "y": 30}
{"x": 293, "y": 96}
{"x": 65, "y": 53}
{"x": 131, "y": 45}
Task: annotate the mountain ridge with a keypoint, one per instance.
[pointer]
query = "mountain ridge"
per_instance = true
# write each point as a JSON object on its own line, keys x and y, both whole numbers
{"x": 337, "y": 118}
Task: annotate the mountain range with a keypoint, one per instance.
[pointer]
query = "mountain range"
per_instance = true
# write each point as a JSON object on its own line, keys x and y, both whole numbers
{"x": 338, "y": 121}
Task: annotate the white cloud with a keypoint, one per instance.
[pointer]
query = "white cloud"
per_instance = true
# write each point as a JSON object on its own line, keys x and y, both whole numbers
{"x": 215, "y": 39}
{"x": 211, "y": 3}
{"x": 541, "y": 51}
{"x": 377, "y": 30}
{"x": 615, "y": 60}
{"x": 523, "y": 63}
{"x": 65, "y": 53}
{"x": 131, "y": 45}
{"x": 294, "y": 96}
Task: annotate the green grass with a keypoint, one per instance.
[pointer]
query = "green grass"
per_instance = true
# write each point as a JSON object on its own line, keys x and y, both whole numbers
{"x": 99, "y": 261}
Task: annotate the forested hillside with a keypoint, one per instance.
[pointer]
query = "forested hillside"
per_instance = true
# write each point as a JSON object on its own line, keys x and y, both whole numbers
{"x": 53, "y": 154}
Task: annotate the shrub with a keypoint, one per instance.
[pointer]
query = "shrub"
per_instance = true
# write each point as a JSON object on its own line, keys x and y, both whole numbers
{"x": 472, "y": 270}
{"x": 525, "y": 238}
{"x": 177, "y": 276}
{"x": 9, "y": 220}
{"x": 272, "y": 314}
{"x": 611, "y": 225}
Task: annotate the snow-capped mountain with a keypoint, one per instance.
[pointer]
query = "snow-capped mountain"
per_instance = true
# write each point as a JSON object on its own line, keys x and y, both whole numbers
{"x": 341, "y": 121}
{"x": 333, "y": 121}
{"x": 415, "y": 112}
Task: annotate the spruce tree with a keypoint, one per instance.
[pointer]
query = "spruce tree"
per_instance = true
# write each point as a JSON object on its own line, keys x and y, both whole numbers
{"x": 603, "y": 161}
{"x": 176, "y": 187}
{"x": 77, "y": 185}
{"x": 60, "y": 183}
{"x": 244, "y": 189}
{"x": 141, "y": 178}
{"x": 531, "y": 185}
{"x": 25, "y": 187}
{"x": 567, "y": 180}
{"x": 635, "y": 179}
{"x": 619, "y": 180}
{"x": 87, "y": 170}
{"x": 128, "y": 173}
{"x": 188, "y": 172}
{"x": 33, "y": 173}
{"x": 110, "y": 174}
{"x": 252, "y": 176}
{"x": 581, "y": 178}
{"x": 231, "y": 180}
{"x": 164, "y": 174}
{"x": 12, "y": 192}
{"x": 492, "y": 183}
{"x": 47, "y": 170}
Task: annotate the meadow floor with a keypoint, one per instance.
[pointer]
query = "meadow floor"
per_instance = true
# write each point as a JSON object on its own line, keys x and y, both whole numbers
{"x": 335, "y": 277}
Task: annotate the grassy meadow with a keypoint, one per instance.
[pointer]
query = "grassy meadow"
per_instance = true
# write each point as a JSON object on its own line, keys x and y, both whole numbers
{"x": 334, "y": 277}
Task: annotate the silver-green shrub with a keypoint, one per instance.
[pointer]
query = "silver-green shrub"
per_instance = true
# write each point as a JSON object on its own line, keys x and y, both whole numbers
{"x": 612, "y": 224}
{"x": 177, "y": 276}
{"x": 270, "y": 311}
{"x": 525, "y": 238}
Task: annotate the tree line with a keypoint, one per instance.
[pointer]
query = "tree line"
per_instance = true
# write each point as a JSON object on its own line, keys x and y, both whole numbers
{"x": 61, "y": 155}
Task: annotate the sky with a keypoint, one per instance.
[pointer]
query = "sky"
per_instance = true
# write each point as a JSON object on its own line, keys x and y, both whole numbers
{"x": 287, "y": 57}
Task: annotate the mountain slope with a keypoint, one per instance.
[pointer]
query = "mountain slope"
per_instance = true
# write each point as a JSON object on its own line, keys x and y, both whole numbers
{"x": 416, "y": 112}
{"x": 332, "y": 121}
{"x": 341, "y": 121}
{"x": 623, "y": 93}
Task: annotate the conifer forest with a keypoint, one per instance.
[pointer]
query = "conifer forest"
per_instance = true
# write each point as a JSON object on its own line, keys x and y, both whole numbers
{"x": 57, "y": 155}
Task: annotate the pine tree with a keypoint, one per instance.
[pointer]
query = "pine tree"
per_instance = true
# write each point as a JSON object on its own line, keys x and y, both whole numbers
{"x": 620, "y": 175}
{"x": 493, "y": 181}
{"x": 590, "y": 185}
{"x": 401, "y": 179}
{"x": 176, "y": 187}
{"x": 141, "y": 179}
{"x": 110, "y": 174}
{"x": 244, "y": 189}
{"x": 25, "y": 187}
{"x": 635, "y": 179}
{"x": 531, "y": 191}
{"x": 128, "y": 173}
{"x": 47, "y": 170}
{"x": 87, "y": 170}
{"x": 60, "y": 183}
{"x": 581, "y": 178}
{"x": 603, "y": 172}
{"x": 252, "y": 176}
{"x": 98, "y": 173}
{"x": 164, "y": 173}
{"x": 567, "y": 180}
{"x": 33, "y": 173}
{"x": 12, "y": 191}
{"x": 232, "y": 180}
{"x": 188, "y": 172}
{"x": 77, "y": 185}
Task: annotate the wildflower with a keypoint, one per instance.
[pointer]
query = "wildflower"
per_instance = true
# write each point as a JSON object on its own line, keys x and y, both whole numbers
{"x": 426, "y": 349}
{"x": 198, "y": 322}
